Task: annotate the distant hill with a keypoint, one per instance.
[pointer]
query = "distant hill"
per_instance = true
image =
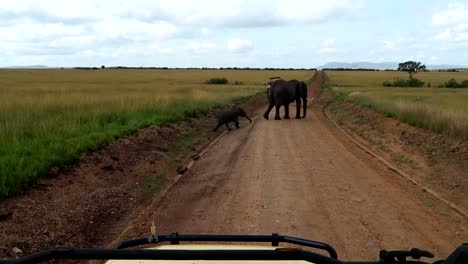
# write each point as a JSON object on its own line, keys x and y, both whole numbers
{"x": 445, "y": 66}
{"x": 360, "y": 65}
{"x": 28, "y": 67}
{"x": 380, "y": 65}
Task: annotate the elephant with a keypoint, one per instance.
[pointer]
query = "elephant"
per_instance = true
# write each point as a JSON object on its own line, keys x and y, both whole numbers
{"x": 281, "y": 92}
{"x": 231, "y": 115}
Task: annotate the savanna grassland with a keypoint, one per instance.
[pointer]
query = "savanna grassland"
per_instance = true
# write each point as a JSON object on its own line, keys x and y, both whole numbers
{"x": 376, "y": 78}
{"x": 442, "y": 110}
{"x": 49, "y": 117}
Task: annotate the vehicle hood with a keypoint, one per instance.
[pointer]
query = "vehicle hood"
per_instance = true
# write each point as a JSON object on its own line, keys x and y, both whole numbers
{"x": 206, "y": 247}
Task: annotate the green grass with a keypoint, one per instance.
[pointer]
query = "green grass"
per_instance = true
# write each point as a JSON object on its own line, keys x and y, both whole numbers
{"x": 370, "y": 78}
{"x": 152, "y": 184}
{"x": 442, "y": 209}
{"x": 403, "y": 159}
{"x": 441, "y": 110}
{"x": 184, "y": 144}
{"x": 50, "y": 117}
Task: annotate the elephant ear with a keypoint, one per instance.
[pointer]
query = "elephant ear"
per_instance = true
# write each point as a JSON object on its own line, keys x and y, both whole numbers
{"x": 218, "y": 113}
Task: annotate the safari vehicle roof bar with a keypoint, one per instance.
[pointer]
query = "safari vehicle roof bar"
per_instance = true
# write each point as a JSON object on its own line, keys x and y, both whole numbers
{"x": 275, "y": 239}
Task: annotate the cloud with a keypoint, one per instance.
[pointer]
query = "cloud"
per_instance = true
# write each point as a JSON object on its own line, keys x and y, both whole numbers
{"x": 452, "y": 23}
{"x": 455, "y": 13}
{"x": 48, "y": 29}
{"x": 328, "y": 47}
{"x": 328, "y": 50}
{"x": 200, "y": 47}
{"x": 280, "y": 52}
{"x": 315, "y": 11}
{"x": 41, "y": 16}
{"x": 211, "y": 13}
{"x": 51, "y": 11}
{"x": 454, "y": 34}
{"x": 246, "y": 14}
{"x": 135, "y": 30}
{"x": 388, "y": 44}
{"x": 328, "y": 42}
{"x": 237, "y": 45}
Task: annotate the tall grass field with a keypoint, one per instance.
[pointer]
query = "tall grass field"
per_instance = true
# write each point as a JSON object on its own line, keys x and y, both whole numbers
{"x": 49, "y": 117}
{"x": 375, "y": 79}
{"x": 441, "y": 110}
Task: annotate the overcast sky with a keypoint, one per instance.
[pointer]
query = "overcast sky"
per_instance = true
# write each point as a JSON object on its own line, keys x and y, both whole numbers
{"x": 291, "y": 33}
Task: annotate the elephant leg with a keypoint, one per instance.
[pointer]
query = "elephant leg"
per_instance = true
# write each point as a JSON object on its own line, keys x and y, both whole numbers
{"x": 277, "y": 115}
{"x": 236, "y": 121}
{"x": 227, "y": 126}
{"x": 304, "y": 106}
{"x": 267, "y": 113}
{"x": 298, "y": 109}
{"x": 216, "y": 128}
{"x": 286, "y": 111}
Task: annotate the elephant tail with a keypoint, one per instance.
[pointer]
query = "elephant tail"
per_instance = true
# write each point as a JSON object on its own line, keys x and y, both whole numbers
{"x": 268, "y": 92}
{"x": 304, "y": 88}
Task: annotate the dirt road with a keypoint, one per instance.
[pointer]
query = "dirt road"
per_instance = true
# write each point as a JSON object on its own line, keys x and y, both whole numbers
{"x": 302, "y": 178}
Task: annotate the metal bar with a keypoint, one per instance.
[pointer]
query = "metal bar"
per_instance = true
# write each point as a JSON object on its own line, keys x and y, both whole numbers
{"x": 135, "y": 242}
{"x": 274, "y": 239}
{"x": 311, "y": 243}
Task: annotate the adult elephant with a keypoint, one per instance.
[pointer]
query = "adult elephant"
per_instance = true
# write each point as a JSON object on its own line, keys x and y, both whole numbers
{"x": 282, "y": 93}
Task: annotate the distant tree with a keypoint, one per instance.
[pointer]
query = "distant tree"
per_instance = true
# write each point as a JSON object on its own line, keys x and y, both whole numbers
{"x": 411, "y": 67}
{"x": 103, "y": 67}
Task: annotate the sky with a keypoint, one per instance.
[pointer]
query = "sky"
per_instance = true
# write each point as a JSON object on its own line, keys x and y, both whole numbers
{"x": 217, "y": 33}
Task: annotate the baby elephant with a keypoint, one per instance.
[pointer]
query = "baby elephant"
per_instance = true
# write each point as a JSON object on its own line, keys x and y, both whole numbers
{"x": 231, "y": 115}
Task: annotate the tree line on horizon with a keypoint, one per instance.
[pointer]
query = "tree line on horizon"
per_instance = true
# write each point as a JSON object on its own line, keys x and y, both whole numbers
{"x": 196, "y": 68}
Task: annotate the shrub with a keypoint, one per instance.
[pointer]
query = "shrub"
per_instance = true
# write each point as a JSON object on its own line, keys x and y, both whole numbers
{"x": 237, "y": 83}
{"x": 452, "y": 83}
{"x": 387, "y": 83}
{"x": 217, "y": 81}
{"x": 400, "y": 83}
{"x": 415, "y": 83}
{"x": 404, "y": 83}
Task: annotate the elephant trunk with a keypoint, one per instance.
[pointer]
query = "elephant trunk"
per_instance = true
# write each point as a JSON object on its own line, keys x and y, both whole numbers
{"x": 248, "y": 119}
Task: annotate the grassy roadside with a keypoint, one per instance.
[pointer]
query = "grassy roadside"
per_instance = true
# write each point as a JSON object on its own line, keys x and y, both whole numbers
{"x": 436, "y": 161}
{"x": 50, "y": 117}
{"x": 440, "y": 110}
{"x": 179, "y": 149}
{"x": 439, "y": 160}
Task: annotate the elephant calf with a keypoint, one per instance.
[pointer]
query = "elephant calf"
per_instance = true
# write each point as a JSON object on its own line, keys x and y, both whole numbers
{"x": 231, "y": 115}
